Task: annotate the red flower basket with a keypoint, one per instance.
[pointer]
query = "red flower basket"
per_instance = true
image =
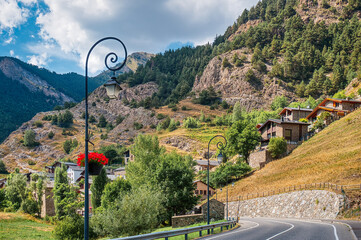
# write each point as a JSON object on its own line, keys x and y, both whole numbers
{"x": 96, "y": 162}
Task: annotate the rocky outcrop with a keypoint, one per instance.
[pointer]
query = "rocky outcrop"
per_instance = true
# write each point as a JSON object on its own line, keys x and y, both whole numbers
{"x": 231, "y": 82}
{"x": 185, "y": 144}
{"x": 34, "y": 83}
{"x": 316, "y": 204}
{"x": 138, "y": 92}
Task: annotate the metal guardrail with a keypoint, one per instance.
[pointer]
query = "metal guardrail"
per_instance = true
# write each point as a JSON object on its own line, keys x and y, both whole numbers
{"x": 184, "y": 231}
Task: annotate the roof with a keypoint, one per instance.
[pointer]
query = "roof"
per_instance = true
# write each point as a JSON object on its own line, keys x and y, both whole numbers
{"x": 295, "y": 109}
{"x": 205, "y": 162}
{"x": 76, "y": 168}
{"x": 202, "y": 182}
{"x": 329, "y": 109}
{"x": 279, "y": 121}
{"x": 338, "y": 100}
{"x": 119, "y": 169}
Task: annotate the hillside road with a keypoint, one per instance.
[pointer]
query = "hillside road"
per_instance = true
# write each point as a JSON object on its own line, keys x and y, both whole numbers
{"x": 286, "y": 229}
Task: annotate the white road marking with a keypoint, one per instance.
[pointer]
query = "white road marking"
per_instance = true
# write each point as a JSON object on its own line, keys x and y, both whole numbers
{"x": 292, "y": 226}
{"x": 241, "y": 230}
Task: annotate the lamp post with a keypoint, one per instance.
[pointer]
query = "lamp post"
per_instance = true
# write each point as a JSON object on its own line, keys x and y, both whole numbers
{"x": 113, "y": 89}
{"x": 219, "y": 146}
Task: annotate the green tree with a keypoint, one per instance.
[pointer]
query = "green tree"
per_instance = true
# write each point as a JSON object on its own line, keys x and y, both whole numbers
{"x": 3, "y": 167}
{"x": 277, "y": 146}
{"x": 242, "y": 138}
{"x": 191, "y": 123}
{"x": 102, "y": 122}
{"x": 237, "y": 112}
{"x": 67, "y": 145}
{"x": 172, "y": 125}
{"x": 279, "y": 102}
{"x": 97, "y": 188}
{"x": 65, "y": 196}
{"x": 226, "y": 63}
{"x": 29, "y": 138}
{"x": 65, "y": 120}
{"x": 16, "y": 190}
{"x": 114, "y": 191}
{"x": 136, "y": 212}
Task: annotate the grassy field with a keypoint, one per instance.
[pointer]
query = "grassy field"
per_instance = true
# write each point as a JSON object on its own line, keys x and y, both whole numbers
{"x": 21, "y": 226}
{"x": 333, "y": 155}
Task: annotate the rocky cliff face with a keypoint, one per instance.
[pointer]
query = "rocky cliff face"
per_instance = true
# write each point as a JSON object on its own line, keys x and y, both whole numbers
{"x": 231, "y": 82}
{"x": 14, "y": 154}
{"x": 34, "y": 83}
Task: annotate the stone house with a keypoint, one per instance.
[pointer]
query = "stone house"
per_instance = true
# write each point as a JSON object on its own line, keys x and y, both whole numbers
{"x": 292, "y": 131}
{"x": 294, "y": 114}
{"x": 128, "y": 157}
{"x": 75, "y": 173}
{"x": 203, "y": 165}
{"x": 336, "y": 107}
{"x": 201, "y": 189}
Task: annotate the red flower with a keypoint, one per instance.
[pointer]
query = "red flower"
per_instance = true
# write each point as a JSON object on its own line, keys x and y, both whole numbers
{"x": 92, "y": 157}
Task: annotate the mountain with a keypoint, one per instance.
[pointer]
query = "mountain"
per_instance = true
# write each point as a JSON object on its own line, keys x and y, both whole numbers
{"x": 28, "y": 89}
{"x": 277, "y": 48}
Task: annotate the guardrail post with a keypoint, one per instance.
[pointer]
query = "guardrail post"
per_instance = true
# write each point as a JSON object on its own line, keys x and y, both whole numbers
{"x": 221, "y": 229}
{"x": 166, "y": 238}
{"x": 186, "y": 236}
{"x": 211, "y": 230}
{"x": 200, "y": 233}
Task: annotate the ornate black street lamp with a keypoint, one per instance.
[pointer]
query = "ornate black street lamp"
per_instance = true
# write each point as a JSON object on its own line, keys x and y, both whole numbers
{"x": 113, "y": 89}
{"x": 220, "y": 147}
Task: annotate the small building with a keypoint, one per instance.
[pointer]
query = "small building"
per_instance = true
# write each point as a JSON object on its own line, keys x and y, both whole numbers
{"x": 51, "y": 169}
{"x": 2, "y": 182}
{"x": 128, "y": 157}
{"x": 75, "y": 173}
{"x": 294, "y": 114}
{"x": 203, "y": 165}
{"x": 336, "y": 107}
{"x": 292, "y": 131}
{"x": 201, "y": 189}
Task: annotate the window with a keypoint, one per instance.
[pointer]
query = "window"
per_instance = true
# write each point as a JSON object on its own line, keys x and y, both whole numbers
{"x": 268, "y": 136}
{"x": 196, "y": 191}
{"x": 288, "y": 134}
{"x": 274, "y": 134}
{"x": 268, "y": 126}
{"x": 205, "y": 192}
{"x": 201, "y": 192}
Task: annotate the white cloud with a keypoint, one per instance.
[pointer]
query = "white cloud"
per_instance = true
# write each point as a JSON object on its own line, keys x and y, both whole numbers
{"x": 12, "y": 13}
{"x": 142, "y": 25}
{"x": 11, "y": 52}
{"x": 11, "y": 39}
{"x": 38, "y": 60}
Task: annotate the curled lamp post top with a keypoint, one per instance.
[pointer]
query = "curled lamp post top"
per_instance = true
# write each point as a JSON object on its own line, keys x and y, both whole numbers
{"x": 112, "y": 56}
{"x": 220, "y": 145}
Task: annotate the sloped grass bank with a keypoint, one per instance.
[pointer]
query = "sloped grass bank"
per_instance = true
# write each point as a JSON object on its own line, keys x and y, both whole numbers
{"x": 333, "y": 155}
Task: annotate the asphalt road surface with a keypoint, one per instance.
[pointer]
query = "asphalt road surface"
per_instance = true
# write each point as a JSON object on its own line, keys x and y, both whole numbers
{"x": 286, "y": 229}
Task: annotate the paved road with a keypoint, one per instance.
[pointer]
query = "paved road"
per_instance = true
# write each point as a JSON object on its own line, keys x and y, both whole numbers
{"x": 286, "y": 229}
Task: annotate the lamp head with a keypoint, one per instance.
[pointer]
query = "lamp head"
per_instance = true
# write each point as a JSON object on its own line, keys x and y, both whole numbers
{"x": 112, "y": 87}
{"x": 220, "y": 158}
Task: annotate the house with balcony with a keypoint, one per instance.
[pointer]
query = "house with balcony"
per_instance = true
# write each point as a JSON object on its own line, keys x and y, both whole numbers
{"x": 292, "y": 131}
{"x": 336, "y": 107}
{"x": 294, "y": 114}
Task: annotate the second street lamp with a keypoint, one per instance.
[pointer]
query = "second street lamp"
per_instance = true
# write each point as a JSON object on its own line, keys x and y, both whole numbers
{"x": 113, "y": 89}
{"x": 220, "y": 146}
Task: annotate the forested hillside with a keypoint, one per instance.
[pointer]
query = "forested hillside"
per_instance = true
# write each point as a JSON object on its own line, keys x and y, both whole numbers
{"x": 312, "y": 46}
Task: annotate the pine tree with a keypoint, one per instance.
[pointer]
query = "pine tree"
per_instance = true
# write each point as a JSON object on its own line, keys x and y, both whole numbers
{"x": 237, "y": 112}
{"x": 102, "y": 122}
{"x": 97, "y": 188}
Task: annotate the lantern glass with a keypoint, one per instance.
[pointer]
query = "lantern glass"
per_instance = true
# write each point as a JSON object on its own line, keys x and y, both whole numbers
{"x": 220, "y": 158}
{"x": 113, "y": 88}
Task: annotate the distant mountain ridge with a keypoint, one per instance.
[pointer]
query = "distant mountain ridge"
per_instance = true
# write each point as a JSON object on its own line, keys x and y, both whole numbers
{"x": 27, "y": 89}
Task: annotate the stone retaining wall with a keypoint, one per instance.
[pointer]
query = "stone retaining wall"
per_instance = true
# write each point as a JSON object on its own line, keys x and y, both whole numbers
{"x": 185, "y": 220}
{"x": 318, "y": 204}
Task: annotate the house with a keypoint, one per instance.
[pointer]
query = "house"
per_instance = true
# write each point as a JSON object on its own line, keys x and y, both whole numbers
{"x": 2, "y": 182}
{"x": 203, "y": 165}
{"x": 292, "y": 131}
{"x": 294, "y": 114}
{"x": 51, "y": 169}
{"x": 75, "y": 173}
{"x": 128, "y": 157}
{"x": 336, "y": 107}
{"x": 201, "y": 189}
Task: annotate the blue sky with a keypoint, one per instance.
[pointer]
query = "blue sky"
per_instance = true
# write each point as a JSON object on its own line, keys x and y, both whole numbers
{"x": 57, "y": 34}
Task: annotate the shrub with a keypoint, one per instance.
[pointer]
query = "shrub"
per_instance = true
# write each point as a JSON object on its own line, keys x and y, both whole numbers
{"x": 2, "y": 168}
{"x": 359, "y": 91}
{"x": 175, "y": 108}
{"x": 46, "y": 118}
{"x": 67, "y": 145}
{"x": 161, "y": 116}
{"x": 65, "y": 119}
{"x": 102, "y": 122}
{"x": 226, "y": 63}
{"x": 303, "y": 120}
{"x": 71, "y": 228}
{"x": 191, "y": 123}
{"x": 29, "y": 138}
{"x": 184, "y": 108}
{"x": 104, "y": 136}
{"x": 137, "y": 126}
{"x": 226, "y": 172}
{"x": 172, "y": 125}
{"x": 51, "y": 134}
{"x": 277, "y": 146}
{"x": 94, "y": 104}
{"x": 92, "y": 119}
{"x": 31, "y": 162}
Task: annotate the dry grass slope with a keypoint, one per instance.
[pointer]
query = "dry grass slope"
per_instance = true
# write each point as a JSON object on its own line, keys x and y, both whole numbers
{"x": 333, "y": 155}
